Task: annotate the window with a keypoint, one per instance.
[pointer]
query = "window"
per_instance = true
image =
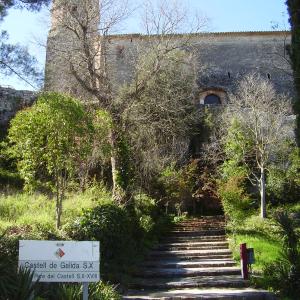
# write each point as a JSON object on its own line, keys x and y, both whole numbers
{"x": 212, "y": 99}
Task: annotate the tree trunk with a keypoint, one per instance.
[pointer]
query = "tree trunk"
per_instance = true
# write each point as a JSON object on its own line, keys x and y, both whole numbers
{"x": 263, "y": 210}
{"x": 60, "y": 194}
{"x": 118, "y": 192}
{"x": 58, "y": 212}
{"x": 58, "y": 208}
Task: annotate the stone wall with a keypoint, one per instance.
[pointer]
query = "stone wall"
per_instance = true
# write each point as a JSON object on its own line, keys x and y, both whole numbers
{"x": 223, "y": 58}
{"x": 226, "y": 57}
{"x": 11, "y": 101}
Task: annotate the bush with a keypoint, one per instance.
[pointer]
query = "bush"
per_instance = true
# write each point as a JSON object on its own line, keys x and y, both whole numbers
{"x": 283, "y": 182}
{"x": 112, "y": 226}
{"x": 283, "y": 274}
{"x": 73, "y": 291}
{"x": 103, "y": 291}
{"x": 236, "y": 203}
{"x": 145, "y": 210}
{"x": 152, "y": 219}
{"x": 179, "y": 184}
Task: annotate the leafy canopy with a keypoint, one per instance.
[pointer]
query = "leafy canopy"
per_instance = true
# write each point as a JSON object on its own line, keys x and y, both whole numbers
{"x": 50, "y": 137}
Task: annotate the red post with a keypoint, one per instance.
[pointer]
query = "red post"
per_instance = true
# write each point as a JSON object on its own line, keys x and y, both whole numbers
{"x": 244, "y": 262}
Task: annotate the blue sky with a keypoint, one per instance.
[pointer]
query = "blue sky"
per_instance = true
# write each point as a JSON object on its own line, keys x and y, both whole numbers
{"x": 30, "y": 29}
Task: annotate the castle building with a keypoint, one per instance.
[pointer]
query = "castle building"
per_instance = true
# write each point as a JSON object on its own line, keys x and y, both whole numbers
{"x": 227, "y": 56}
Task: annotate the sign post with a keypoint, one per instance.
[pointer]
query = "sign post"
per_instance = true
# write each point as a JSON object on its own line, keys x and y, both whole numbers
{"x": 244, "y": 263}
{"x": 85, "y": 291}
{"x": 61, "y": 261}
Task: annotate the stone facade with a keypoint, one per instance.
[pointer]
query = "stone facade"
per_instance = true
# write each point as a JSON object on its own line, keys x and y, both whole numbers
{"x": 223, "y": 58}
{"x": 226, "y": 57}
{"x": 11, "y": 101}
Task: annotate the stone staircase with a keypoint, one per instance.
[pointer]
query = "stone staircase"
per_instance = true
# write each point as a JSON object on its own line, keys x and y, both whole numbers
{"x": 193, "y": 262}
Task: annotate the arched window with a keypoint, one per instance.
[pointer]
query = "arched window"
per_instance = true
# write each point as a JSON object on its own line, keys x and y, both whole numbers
{"x": 212, "y": 99}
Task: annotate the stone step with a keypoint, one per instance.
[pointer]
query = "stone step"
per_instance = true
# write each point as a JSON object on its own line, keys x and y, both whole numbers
{"x": 181, "y": 239}
{"x": 198, "y": 230}
{"x": 179, "y": 253}
{"x": 192, "y": 247}
{"x": 195, "y": 231}
{"x": 191, "y": 256}
{"x": 216, "y": 217}
{"x": 197, "y": 263}
{"x": 192, "y": 243}
{"x": 212, "y": 293}
{"x": 179, "y": 248}
{"x": 198, "y": 233}
{"x": 193, "y": 262}
{"x": 193, "y": 225}
{"x": 187, "y": 272}
{"x": 189, "y": 282}
{"x": 199, "y": 225}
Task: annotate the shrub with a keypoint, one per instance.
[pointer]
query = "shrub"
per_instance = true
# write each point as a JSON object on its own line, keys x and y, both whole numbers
{"x": 179, "y": 184}
{"x": 152, "y": 220}
{"x": 236, "y": 203}
{"x": 66, "y": 291}
{"x": 283, "y": 274}
{"x": 103, "y": 291}
{"x": 112, "y": 226}
{"x": 14, "y": 283}
{"x": 283, "y": 182}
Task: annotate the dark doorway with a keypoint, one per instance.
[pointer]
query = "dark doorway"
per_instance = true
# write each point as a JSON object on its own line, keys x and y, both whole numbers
{"x": 212, "y": 99}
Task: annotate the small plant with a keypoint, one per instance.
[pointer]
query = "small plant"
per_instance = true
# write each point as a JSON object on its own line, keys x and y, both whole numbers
{"x": 73, "y": 291}
{"x": 103, "y": 291}
{"x": 15, "y": 284}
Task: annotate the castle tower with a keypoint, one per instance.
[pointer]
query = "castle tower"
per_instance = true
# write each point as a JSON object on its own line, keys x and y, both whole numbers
{"x": 73, "y": 23}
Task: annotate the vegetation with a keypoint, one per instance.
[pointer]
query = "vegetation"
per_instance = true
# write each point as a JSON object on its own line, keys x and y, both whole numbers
{"x": 161, "y": 71}
{"x": 293, "y": 10}
{"x": 124, "y": 234}
{"x": 283, "y": 273}
{"x": 258, "y": 129}
{"x": 48, "y": 140}
{"x": 246, "y": 147}
{"x": 159, "y": 134}
{"x": 258, "y": 234}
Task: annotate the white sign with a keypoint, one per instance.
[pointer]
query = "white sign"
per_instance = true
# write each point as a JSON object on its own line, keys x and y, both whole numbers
{"x": 61, "y": 261}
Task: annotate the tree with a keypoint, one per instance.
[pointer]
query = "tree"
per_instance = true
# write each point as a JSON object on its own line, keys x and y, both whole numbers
{"x": 283, "y": 181}
{"x": 15, "y": 59}
{"x": 294, "y": 12}
{"x": 85, "y": 47}
{"x": 257, "y": 119}
{"x": 48, "y": 139}
{"x": 160, "y": 119}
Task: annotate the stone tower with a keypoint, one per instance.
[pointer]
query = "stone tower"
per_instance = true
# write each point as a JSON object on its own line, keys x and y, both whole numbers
{"x": 72, "y": 23}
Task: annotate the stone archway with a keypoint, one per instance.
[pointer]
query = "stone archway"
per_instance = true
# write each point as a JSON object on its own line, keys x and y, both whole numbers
{"x": 212, "y": 96}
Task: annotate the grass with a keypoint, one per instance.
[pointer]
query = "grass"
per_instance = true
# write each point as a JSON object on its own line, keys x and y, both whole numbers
{"x": 258, "y": 234}
{"x": 38, "y": 211}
